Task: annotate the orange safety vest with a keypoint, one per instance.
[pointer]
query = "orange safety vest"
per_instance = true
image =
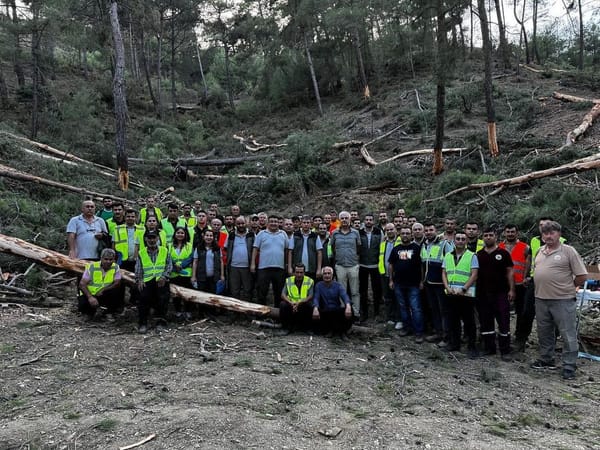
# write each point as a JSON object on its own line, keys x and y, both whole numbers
{"x": 518, "y": 255}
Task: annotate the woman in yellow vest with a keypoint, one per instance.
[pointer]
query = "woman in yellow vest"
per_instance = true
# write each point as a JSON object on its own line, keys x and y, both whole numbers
{"x": 98, "y": 285}
{"x": 181, "y": 252}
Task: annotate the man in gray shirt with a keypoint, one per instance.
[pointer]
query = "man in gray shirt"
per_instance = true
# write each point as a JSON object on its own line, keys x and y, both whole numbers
{"x": 84, "y": 233}
{"x": 270, "y": 247}
{"x": 345, "y": 244}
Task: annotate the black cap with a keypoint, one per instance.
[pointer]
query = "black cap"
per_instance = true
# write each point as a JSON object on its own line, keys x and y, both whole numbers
{"x": 151, "y": 234}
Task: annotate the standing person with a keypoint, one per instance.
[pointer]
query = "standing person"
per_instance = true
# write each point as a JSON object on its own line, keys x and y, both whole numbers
{"x": 295, "y": 308}
{"x": 85, "y": 232}
{"x": 459, "y": 274}
{"x": 207, "y": 268}
{"x": 382, "y": 220}
{"x": 239, "y": 251}
{"x": 123, "y": 243}
{"x": 270, "y": 249}
{"x": 201, "y": 226}
{"x": 332, "y": 309}
{"x": 99, "y": 286}
{"x": 529, "y": 307}
{"x": 389, "y": 299}
{"x": 152, "y": 271}
{"x": 326, "y": 253}
{"x": 521, "y": 258}
{"x": 181, "y": 253}
{"x": 473, "y": 242}
{"x": 370, "y": 240}
{"x": 418, "y": 233}
{"x": 307, "y": 249}
{"x": 118, "y": 217}
{"x": 495, "y": 291}
{"x": 345, "y": 244}
{"x": 405, "y": 279}
{"x": 172, "y": 221}
{"x": 107, "y": 211}
{"x": 334, "y": 222}
{"x": 151, "y": 225}
{"x": 235, "y": 211}
{"x": 187, "y": 216}
{"x": 449, "y": 229}
{"x": 433, "y": 251}
{"x": 558, "y": 271}
{"x": 150, "y": 210}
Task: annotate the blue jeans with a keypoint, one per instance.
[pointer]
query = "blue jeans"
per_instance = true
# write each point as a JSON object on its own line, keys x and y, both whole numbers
{"x": 409, "y": 304}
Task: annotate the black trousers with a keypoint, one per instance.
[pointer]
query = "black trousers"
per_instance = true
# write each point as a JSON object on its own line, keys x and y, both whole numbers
{"x": 299, "y": 320}
{"x": 333, "y": 321}
{"x": 270, "y": 276}
{"x": 107, "y": 299}
{"x": 364, "y": 274}
{"x": 153, "y": 296}
{"x": 461, "y": 309}
{"x": 525, "y": 309}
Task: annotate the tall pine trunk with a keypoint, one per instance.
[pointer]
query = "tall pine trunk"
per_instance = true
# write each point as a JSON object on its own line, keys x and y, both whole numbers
{"x": 35, "y": 67}
{"x": 204, "y": 85}
{"x": 228, "y": 76}
{"x": 521, "y": 21}
{"x": 442, "y": 50}
{"x": 487, "y": 84}
{"x": 119, "y": 98}
{"x": 581, "y": 43}
{"x": 17, "y": 45}
{"x": 146, "y": 66}
{"x": 503, "y": 47}
{"x": 313, "y": 76}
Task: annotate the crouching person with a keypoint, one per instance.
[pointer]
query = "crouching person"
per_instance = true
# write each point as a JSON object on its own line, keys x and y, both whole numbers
{"x": 296, "y": 301}
{"x": 152, "y": 270}
{"x": 99, "y": 286}
{"x": 332, "y": 309}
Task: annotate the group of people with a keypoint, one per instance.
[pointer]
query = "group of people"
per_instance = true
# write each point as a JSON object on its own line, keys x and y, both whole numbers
{"x": 322, "y": 269}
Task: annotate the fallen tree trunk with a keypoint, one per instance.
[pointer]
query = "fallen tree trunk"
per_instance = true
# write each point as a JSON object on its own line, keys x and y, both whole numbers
{"x": 9, "y": 172}
{"x": 219, "y": 162}
{"x": 574, "y": 99}
{"x": 104, "y": 170}
{"x": 588, "y": 121}
{"x": 51, "y": 258}
{"x": 579, "y": 165}
{"x": 427, "y": 152}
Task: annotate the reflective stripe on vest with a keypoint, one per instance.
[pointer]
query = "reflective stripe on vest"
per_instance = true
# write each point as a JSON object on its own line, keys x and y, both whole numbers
{"x": 518, "y": 254}
{"x": 98, "y": 278}
{"x": 434, "y": 253}
{"x": 186, "y": 252}
{"x": 153, "y": 270}
{"x": 292, "y": 289}
{"x": 162, "y": 236}
{"x": 458, "y": 273}
{"x": 382, "y": 247}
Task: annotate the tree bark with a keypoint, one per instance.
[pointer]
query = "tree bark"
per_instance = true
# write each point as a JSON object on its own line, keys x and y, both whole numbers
{"x": 359, "y": 59}
{"x": 159, "y": 65}
{"x": 523, "y": 35}
{"x": 35, "y": 69}
{"x": 205, "y": 86}
{"x": 3, "y": 91}
{"x": 313, "y": 76}
{"x": 581, "y": 43}
{"x": 587, "y": 122}
{"x": 228, "y": 76}
{"x": 503, "y": 46}
{"x": 17, "y": 49}
{"x": 442, "y": 48}
{"x": 534, "y": 19}
{"x": 172, "y": 61}
{"x": 146, "y": 65}
{"x": 14, "y": 174}
{"x": 487, "y": 84}
{"x": 219, "y": 162}
{"x": 119, "y": 98}
{"x": 18, "y": 247}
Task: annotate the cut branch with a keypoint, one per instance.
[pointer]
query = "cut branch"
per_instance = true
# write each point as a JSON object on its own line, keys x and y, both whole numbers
{"x": 9, "y": 172}
{"x": 572, "y": 98}
{"x": 254, "y": 146}
{"x": 588, "y": 121}
{"x": 579, "y": 165}
{"x": 51, "y": 258}
{"x": 422, "y": 152}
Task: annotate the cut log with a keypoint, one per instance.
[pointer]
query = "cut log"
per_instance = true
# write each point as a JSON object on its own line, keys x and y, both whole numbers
{"x": 9, "y": 172}
{"x": 240, "y": 176}
{"x": 422, "y": 152}
{"x": 572, "y": 98}
{"x": 254, "y": 146}
{"x": 579, "y": 165}
{"x": 65, "y": 155}
{"x": 51, "y": 258}
{"x": 588, "y": 121}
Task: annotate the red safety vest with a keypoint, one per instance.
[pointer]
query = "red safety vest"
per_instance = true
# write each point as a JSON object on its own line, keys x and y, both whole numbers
{"x": 519, "y": 257}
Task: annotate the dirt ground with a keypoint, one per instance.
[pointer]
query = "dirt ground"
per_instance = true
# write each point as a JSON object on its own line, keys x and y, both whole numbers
{"x": 70, "y": 384}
